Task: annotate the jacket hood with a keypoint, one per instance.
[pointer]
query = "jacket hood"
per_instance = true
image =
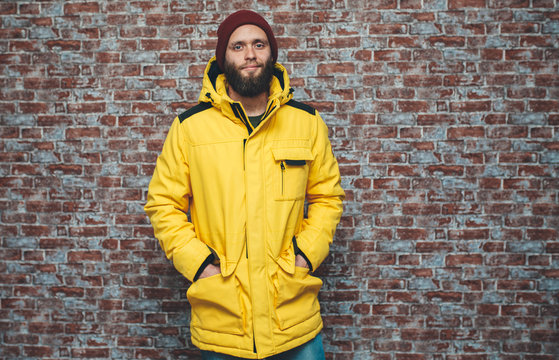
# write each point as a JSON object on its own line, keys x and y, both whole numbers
{"x": 214, "y": 88}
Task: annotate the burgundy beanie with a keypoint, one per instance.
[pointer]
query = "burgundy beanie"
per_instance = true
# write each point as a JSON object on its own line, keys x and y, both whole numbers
{"x": 233, "y": 21}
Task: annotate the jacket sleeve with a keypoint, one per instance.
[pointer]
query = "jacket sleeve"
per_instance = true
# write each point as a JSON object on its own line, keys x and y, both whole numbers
{"x": 324, "y": 196}
{"x": 167, "y": 205}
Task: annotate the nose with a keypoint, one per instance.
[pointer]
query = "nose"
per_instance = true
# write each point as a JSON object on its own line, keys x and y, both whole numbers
{"x": 250, "y": 53}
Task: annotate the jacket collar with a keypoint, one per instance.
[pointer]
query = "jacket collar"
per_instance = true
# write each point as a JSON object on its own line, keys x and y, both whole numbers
{"x": 214, "y": 91}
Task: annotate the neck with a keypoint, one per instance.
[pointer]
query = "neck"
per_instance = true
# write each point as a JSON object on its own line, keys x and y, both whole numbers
{"x": 253, "y": 106}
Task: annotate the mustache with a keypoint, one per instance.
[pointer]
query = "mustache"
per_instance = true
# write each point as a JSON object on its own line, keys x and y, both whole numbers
{"x": 251, "y": 65}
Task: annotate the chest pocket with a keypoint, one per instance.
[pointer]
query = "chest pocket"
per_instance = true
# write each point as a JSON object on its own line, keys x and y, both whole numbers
{"x": 291, "y": 172}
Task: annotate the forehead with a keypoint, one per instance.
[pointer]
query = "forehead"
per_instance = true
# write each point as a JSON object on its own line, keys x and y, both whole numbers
{"x": 247, "y": 33}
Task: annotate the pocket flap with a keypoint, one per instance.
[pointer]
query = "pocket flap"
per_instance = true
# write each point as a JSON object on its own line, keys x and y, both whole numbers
{"x": 292, "y": 154}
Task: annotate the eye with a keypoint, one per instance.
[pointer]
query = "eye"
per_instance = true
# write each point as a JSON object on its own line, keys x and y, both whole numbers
{"x": 260, "y": 46}
{"x": 237, "y": 47}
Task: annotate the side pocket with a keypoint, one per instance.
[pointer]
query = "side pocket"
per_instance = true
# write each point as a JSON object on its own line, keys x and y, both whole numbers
{"x": 215, "y": 305}
{"x": 296, "y": 296}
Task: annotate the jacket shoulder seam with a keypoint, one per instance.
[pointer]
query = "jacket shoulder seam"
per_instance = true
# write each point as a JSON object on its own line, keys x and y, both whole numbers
{"x": 194, "y": 110}
{"x": 301, "y": 106}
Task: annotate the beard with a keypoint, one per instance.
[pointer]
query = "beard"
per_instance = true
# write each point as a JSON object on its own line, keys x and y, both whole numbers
{"x": 249, "y": 86}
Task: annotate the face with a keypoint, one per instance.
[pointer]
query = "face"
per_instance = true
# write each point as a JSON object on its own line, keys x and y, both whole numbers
{"x": 248, "y": 64}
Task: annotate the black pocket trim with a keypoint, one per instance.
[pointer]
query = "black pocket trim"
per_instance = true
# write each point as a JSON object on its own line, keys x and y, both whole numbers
{"x": 295, "y": 162}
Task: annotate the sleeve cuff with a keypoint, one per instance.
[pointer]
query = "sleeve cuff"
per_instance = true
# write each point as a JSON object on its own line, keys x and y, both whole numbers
{"x": 189, "y": 259}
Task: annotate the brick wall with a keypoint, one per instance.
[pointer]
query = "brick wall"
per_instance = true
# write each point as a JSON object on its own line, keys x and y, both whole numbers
{"x": 444, "y": 117}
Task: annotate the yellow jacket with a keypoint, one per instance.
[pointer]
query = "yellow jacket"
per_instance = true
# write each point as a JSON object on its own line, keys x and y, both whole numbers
{"x": 245, "y": 189}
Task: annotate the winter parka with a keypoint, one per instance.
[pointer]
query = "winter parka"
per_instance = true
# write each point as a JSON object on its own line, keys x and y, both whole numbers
{"x": 222, "y": 189}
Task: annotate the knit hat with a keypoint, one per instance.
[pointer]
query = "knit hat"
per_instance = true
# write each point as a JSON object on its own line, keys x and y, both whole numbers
{"x": 233, "y": 21}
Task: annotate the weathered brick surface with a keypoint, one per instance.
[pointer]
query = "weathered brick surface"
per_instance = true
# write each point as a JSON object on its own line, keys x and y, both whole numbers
{"x": 444, "y": 116}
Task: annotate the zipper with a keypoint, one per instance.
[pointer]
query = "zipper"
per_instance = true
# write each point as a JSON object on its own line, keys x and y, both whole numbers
{"x": 240, "y": 114}
{"x": 282, "y": 166}
{"x": 244, "y": 168}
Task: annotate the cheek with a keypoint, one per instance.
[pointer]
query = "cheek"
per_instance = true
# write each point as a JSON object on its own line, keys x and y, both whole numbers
{"x": 235, "y": 59}
{"x": 266, "y": 54}
{"x": 231, "y": 57}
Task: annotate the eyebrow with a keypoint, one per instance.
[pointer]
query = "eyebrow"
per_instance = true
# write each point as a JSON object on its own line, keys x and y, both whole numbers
{"x": 264, "y": 41}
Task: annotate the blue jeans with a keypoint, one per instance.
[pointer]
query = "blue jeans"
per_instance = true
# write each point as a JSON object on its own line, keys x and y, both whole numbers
{"x": 311, "y": 350}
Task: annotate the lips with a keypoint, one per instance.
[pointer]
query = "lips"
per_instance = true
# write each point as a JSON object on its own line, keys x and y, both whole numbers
{"x": 251, "y": 67}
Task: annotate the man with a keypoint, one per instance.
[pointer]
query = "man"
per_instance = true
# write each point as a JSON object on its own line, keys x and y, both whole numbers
{"x": 243, "y": 161}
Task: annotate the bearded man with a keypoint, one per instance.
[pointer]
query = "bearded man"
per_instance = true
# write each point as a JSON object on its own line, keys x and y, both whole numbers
{"x": 243, "y": 163}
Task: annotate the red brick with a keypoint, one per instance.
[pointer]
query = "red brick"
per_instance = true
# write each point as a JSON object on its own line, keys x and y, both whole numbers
{"x": 519, "y": 28}
{"x": 541, "y": 234}
{"x": 155, "y": 44}
{"x": 386, "y": 158}
{"x": 459, "y": 4}
{"x": 420, "y": 334}
{"x": 90, "y": 353}
{"x": 447, "y": 41}
{"x": 544, "y": 105}
{"x": 515, "y": 285}
{"x": 522, "y": 184}
{"x": 473, "y": 259}
{"x": 468, "y": 234}
{"x": 506, "y": 260}
{"x": 79, "y": 256}
{"x": 37, "y": 351}
{"x": 86, "y": 7}
{"x": 385, "y": 284}
{"x": 45, "y": 328}
{"x": 413, "y": 106}
{"x": 86, "y": 108}
{"x": 64, "y": 45}
{"x": 131, "y": 95}
{"x": 67, "y": 291}
{"x": 421, "y": 209}
{"x": 342, "y": 42}
{"x": 519, "y": 157}
{"x": 164, "y": 19}
{"x": 134, "y": 341}
{"x": 434, "y": 247}
{"x": 411, "y": 234}
{"x": 386, "y": 29}
{"x": 422, "y": 80}
{"x": 470, "y": 106}
{"x": 343, "y": 68}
